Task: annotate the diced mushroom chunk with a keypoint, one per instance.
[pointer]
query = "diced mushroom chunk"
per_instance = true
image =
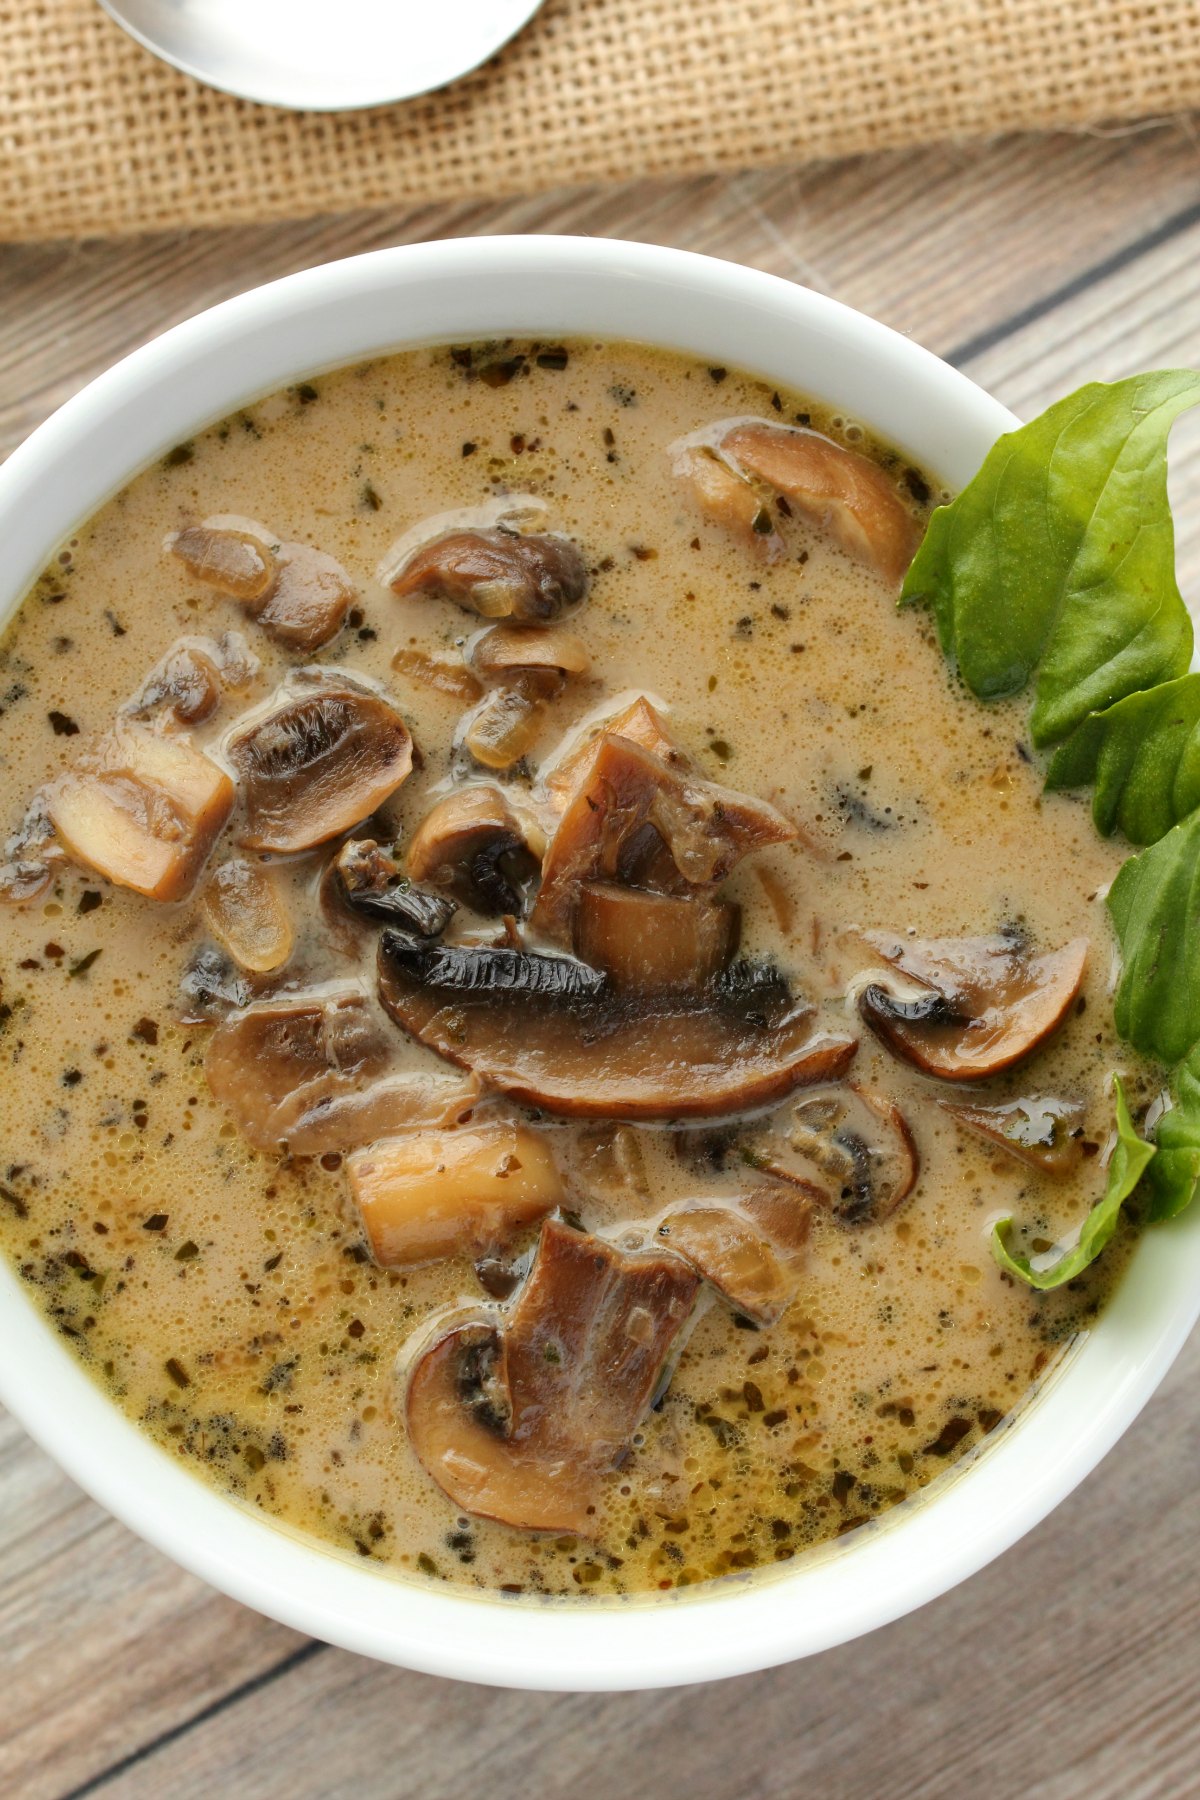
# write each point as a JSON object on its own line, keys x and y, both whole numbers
{"x": 497, "y": 573}
{"x": 980, "y": 1005}
{"x": 431, "y": 1194}
{"x": 313, "y": 1073}
{"x": 317, "y": 764}
{"x": 1043, "y": 1131}
{"x": 520, "y": 1421}
{"x": 142, "y": 808}
{"x": 452, "y": 679}
{"x": 639, "y": 722}
{"x": 749, "y": 1247}
{"x": 246, "y": 914}
{"x": 185, "y": 688}
{"x": 578, "y": 1048}
{"x": 727, "y": 498}
{"x": 473, "y": 843}
{"x": 235, "y": 562}
{"x": 636, "y": 819}
{"x": 648, "y": 942}
{"x": 838, "y": 489}
{"x": 504, "y": 726}
{"x": 859, "y": 1146}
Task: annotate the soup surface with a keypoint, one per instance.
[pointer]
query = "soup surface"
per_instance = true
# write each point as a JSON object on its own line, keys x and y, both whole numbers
{"x": 291, "y": 1238}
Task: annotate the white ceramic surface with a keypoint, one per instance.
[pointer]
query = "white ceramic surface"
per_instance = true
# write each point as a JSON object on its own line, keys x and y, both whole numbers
{"x": 320, "y": 57}
{"x": 458, "y": 291}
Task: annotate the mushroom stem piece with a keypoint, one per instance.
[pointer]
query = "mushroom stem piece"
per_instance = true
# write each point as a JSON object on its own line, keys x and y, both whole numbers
{"x": 142, "y": 808}
{"x": 646, "y": 942}
{"x": 983, "y": 1003}
{"x": 246, "y": 914}
{"x": 431, "y": 1194}
{"x": 520, "y": 1421}
{"x": 748, "y": 1248}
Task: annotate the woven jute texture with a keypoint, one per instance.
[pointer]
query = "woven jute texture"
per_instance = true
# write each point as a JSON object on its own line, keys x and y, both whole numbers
{"x": 97, "y": 137}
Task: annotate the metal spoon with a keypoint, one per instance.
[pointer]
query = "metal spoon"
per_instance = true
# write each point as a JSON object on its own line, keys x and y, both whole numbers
{"x": 322, "y": 55}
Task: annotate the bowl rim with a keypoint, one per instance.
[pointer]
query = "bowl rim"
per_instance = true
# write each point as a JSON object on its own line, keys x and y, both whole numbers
{"x": 458, "y": 290}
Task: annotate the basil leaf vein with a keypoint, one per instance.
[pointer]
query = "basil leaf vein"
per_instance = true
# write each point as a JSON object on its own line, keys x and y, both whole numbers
{"x": 1129, "y": 1162}
{"x": 1057, "y": 560}
{"x": 1143, "y": 755}
{"x": 1172, "y": 1177}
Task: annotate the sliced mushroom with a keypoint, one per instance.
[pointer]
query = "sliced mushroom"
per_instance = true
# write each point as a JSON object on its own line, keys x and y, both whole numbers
{"x": 636, "y": 819}
{"x": 143, "y": 809}
{"x": 312, "y": 1073}
{"x": 32, "y": 856}
{"x": 298, "y": 594}
{"x": 234, "y": 561}
{"x": 431, "y": 1194}
{"x": 246, "y": 914}
{"x": 444, "y": 677}
{"x": 838, "y": 489}
{"x": 981, "y": 1005}
{"x": 727, "y": 498}
{"x": 497, "y": 573}
{"x": 748, "y": 1247}
{"x": 640, "y": 722}
{"x": 504, "y": 650}
{"x": 582, "y": 1050}
{"x": 473, "y": 843}
{"x": 1042, "y": 1131}
{"x": 520, "y": 1420}
{"x": 859, "y": 1143}
{"x": 648, "y": 942}
{"x": 370, "y": 881}
{"x": 325, "y": 758}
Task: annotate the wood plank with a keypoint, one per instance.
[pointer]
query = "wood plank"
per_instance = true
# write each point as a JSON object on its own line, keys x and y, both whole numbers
{"x": 941, "y": 243}
{"x": 106, "y": 1646}
{"x": 1065, "y": 1669}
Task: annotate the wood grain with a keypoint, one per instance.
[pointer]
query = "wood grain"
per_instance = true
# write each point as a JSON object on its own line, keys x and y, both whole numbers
{"x": 1066, "y": 1669}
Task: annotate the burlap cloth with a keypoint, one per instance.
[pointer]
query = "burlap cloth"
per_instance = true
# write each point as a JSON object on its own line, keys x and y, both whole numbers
{"x": 97, "y": 137}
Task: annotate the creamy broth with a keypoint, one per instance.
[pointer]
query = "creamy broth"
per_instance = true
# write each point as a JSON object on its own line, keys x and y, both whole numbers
{"x": 226, "y": 1296}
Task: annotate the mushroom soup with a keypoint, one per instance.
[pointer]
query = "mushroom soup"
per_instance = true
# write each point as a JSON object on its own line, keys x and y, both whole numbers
{"x": 525, "y": 982}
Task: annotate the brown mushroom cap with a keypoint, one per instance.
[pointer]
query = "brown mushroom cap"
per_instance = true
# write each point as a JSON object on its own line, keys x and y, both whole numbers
{"x": 727, "y": 498}
{"x": 748, "y": 1248}
{"x": 473, "y": 843}
{"x": 836, "y": 488}
{"x": 431, "y": 1194}
{"x": 313, "y": 1073}
{"x": 318, "y": 763}
{"x": 519, "y": 1421}
{"x": 636, "y": 818}
{"x": 648, "y": 942}
{"x": 143, "y": 808}
{"x": 983, "y": 1003}
{"x": 1039, "y": 1130}
{"x": 593, "y": 1054}
{"x": 497, "y": 573}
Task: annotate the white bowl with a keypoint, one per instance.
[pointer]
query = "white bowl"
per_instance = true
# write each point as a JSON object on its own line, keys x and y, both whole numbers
{"x": 547, "y": 286}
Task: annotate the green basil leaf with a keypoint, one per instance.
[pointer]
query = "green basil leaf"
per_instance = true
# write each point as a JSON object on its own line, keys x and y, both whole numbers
{"x": 1143, "y": 754}
{"x": 1172, "y": 1177}
{"x": 1155, "y": 906}
{"x": 1128, "y": 1164}
{"x": 1058, "y": 558}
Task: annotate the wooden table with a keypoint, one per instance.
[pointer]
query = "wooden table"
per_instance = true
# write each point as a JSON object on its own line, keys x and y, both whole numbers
{"x": 1068, "y": 1668}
